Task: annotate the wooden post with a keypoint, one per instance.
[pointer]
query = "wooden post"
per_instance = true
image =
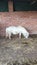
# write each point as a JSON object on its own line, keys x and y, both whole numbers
{"x": 10, "y": 6}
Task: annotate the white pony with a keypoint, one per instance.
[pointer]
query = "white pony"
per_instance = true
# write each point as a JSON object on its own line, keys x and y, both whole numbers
{"x": 16, "y": 30}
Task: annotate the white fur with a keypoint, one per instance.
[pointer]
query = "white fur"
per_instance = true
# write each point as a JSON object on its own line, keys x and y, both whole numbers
{"x": 16, "y": 30}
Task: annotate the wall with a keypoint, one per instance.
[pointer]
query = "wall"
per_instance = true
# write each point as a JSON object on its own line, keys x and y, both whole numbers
{"x": 26, "y": 19}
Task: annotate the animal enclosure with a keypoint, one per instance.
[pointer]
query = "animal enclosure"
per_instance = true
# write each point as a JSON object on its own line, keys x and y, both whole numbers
{"x": 17, "y": 51}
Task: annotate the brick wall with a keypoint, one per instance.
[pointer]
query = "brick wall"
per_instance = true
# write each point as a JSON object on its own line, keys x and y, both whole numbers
{"x": 26, "y": 19}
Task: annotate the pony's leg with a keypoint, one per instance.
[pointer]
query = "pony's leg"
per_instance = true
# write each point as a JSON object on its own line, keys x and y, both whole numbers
{"x": 19, "y": 35}
{"x": 6, "y": 34}
{"x": 10, "y": 36}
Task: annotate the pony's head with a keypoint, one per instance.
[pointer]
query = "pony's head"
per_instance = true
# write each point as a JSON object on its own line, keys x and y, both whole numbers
{"x": 26, "y": 35}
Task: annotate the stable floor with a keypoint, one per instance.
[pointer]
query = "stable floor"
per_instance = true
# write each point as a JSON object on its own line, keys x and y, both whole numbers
{"x": 18, "y": 50}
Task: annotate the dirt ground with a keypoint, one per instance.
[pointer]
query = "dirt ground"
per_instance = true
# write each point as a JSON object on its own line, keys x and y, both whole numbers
{"x": 18, "y": 51}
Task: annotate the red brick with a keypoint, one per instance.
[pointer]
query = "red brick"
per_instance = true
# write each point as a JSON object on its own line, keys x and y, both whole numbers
{"x": 26, "y": 19}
